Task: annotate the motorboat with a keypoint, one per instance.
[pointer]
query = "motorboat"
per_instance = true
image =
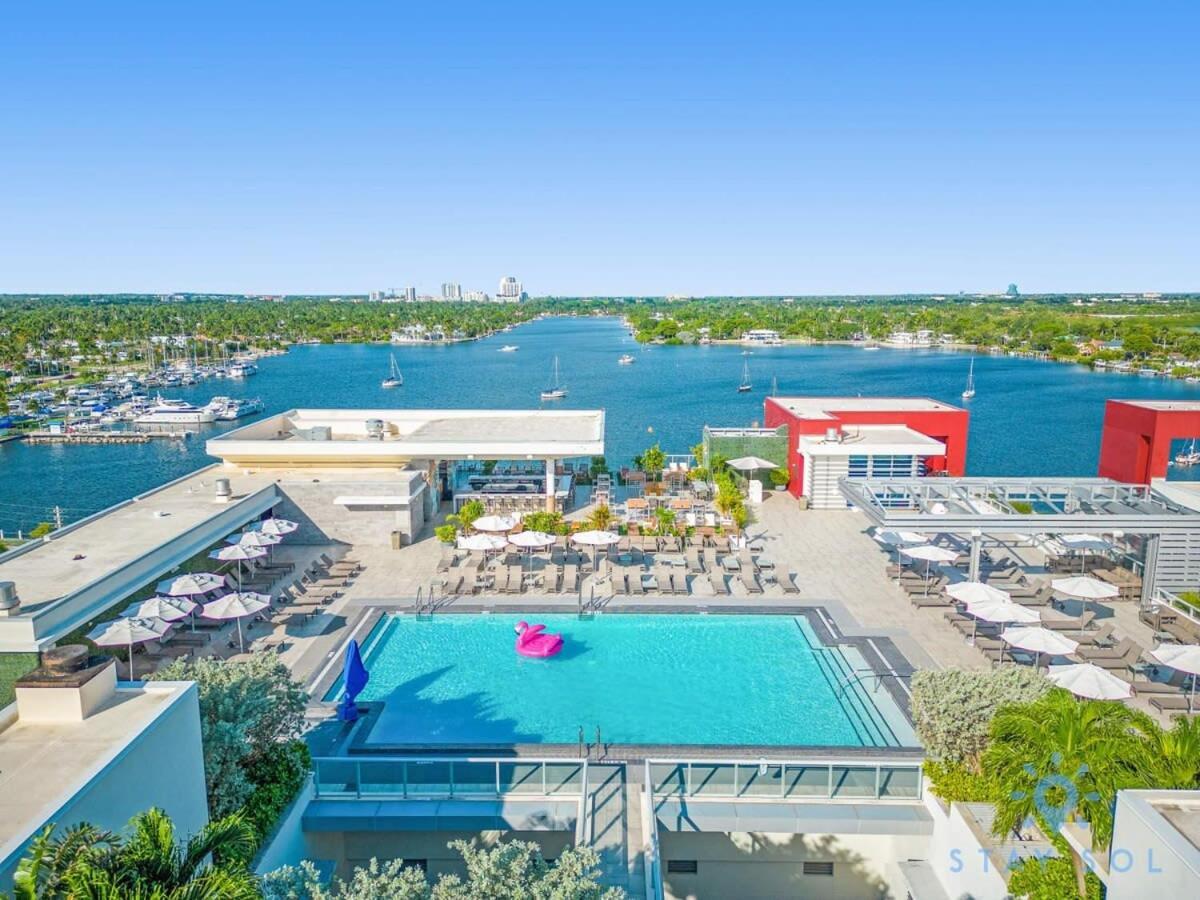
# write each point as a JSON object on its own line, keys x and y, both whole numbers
{"x": 227, "y": 409}
{"x": 625, "y": 360}
{"x": 394, "y": 379}
{"x": 556, "y": 391}
{"x": 175, "y": 412}
{"x": 509, "y": 348}
{"x": 1190, "y": 457}
{"x": 242, "y": 370}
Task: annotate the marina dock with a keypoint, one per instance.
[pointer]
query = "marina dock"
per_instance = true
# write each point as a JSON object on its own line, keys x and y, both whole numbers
{"x": 101, "y": 437}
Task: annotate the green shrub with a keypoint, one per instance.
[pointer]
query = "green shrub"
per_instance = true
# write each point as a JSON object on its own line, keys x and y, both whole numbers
{"x": 549, "y": 522}
{"x": 780, "y": 477}
{"x": 1049, "y": 878}
{"x": 41, "y": 529}
{"x": 277, "y": 776}
{"x": 952, "y": 709}
{"x": 1021, "y": 506}
{"x": 446, "y": 533}
{"x": 955, "y": 783}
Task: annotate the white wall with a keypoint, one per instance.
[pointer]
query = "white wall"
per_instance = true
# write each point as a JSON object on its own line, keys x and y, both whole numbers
{"x": 163, "y": 767}
{"x": 753, "y": 866}
{"x": 956, "y": 857}
{"x": 1149, "y": 857}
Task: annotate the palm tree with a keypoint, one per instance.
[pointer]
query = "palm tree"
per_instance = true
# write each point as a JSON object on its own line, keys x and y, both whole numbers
{"x": 601, "y": 517}
{"x": 1172, "y": 757}
{"x": 1060, "y": 760}
{"x": 89, "y": 864}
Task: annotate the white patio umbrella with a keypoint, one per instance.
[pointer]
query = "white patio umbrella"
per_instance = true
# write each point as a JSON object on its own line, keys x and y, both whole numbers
{"x": 253, "y": 539}
{"x": 930, "y": 554}
{"x": 1003, "y": 612}
{"x": 276, "y": 527}
{"x": 1039, "y": 640}
{"x": 1090, "y": 681}
{"x": 1085, "y": 587}
{"x": 1182, "y": 658}
{"x": 238, "y": 553}
{"x": 751, "y": 464}
{"x": 236, "y": 606}
{"x": 127, "y": 632}
{"x": 898, "y": 539}
{"x": 1084, "y": 543}
{"x": 970, "y": 592}
{"x": 597, "y": 539}
{"x": 495, "y": 523}
{"x": 530, "y": 541}
{"x": 192, "y": 583}
{"x": 485, "y": 542}
{"x": 169, "y": 609}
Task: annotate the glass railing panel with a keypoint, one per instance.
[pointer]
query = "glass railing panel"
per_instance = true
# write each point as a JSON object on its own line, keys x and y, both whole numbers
{"x": 520, "y": 778}
{"x": 668, "y": 779}
{"x": 854, "y": 781}
{"x": 760, "y": 780}
{"x": 474, "y": 778}
{"x": 900, "y": 782}
{"x": 712, "y": 780}
{"x": 382, "y": 776}
{"x": 336, "y": 777}
{"x": 430, "y": 778}
{"x": 564, "y": 778}
{"x": 806, "y": 781}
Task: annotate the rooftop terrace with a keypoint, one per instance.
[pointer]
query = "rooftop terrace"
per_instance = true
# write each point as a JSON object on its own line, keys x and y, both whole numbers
{"x": 829, "y": 407}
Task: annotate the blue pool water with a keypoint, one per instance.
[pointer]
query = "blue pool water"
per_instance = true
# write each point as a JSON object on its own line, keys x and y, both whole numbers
{"x": 642, "y": 679}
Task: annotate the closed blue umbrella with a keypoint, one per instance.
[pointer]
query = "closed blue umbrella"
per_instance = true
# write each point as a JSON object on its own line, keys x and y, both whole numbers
{"x": 355, "y": 677}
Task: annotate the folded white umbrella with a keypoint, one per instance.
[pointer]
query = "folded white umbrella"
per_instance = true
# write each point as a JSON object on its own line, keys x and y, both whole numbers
{"x": 1084, "y": 587}
{"x": 1090, "y": 681}
{"x": 495, "y": 523}
{"x": 192, "y": 583}
{"x": 1183, "y": 658}
{"x": 127, "y": 632}
{"x": 236, "y": 606}
{"x": 276, "y": 527}
{"x": 930, "y": 554}
{"x": 1039, "y": 640}
{"x": 484, "y": 542}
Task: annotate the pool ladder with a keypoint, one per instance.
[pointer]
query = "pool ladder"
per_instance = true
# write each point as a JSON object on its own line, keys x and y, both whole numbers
{"x": 425, "y": 605}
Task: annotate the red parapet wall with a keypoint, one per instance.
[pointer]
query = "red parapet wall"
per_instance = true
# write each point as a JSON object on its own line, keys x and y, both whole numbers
{"x": 947, "y": 425}
{"x": 1135, "y": 445}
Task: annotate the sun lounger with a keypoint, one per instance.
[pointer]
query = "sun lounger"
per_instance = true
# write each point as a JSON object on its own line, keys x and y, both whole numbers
{"x": 679, "y": 582}
{"x": 717, "y": 580}
{"x": 750, "y": 582}
{"x": 1115, "y": 652}
{"x": 636, "y": 587}
{"x": 787, "y": 581}
{"x": 570, "y": 581}
{"x": 1089, "y": 638}
{"x": 1174, "y": 703}
{"x": 695, "y": 566}
{"x": 453, "y": 584}
{"x": 933, "y": 600}
{"x": 1145, "y": 686}
{"x": 1073, "y": 624}
{"x": 730, "y": 564}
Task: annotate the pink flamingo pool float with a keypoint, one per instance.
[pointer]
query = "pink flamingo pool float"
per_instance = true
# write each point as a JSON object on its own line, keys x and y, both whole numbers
{"x": 533, "y": 641}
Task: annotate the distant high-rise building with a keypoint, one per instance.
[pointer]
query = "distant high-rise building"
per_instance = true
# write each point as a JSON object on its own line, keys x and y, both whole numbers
{"x": 510, "y": 289}
{"x": 477, "y": 297}
{"x": 451, "y": 290}
{"x": 410, "y": 295}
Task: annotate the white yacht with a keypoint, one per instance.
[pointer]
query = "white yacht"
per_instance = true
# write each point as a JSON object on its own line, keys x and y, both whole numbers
{"x": 228, "y": 409}
{"x": 242, "y": 370}
{"x": 625, "y": 360}
{"x": 175, "y": 412}
{"x": 509, "y": 348}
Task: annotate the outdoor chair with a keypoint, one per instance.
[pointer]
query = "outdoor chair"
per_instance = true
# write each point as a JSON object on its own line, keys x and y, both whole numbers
{"x": 1174, "y": 703}
{"x": 750, "y": 582}
{"x": 787, "y": 581}
{"x": 695, "y": 566}
{"x": 679, "y": 583}
{"x": 636, "y": 586}
{"x": 717, "y": 580}
{"x": 570, "y": 579}
{"x": 1079, "y": 624}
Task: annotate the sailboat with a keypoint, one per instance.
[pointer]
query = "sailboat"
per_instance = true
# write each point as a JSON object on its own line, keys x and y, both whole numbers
{"x": 556, "y": 391}
{"x": 394, "y": 379}
{"x": 745, "y": 385}
{"x": 970, "y": 391}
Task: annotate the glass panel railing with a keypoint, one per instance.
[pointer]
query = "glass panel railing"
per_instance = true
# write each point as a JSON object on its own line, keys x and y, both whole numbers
{"x": 382, "y": 776}
{"x": 854, "y": 781}
{"x": 804, "y": 782}
{"x": 336, "y": 777}
{"x": 712, "y": 780}
{"x": 564, "y": 778}
{"x": 761, "y": 780}
{"x": 520, "y": 778}
{"x": 668, "y": 779}
{"x": 430, "y": 778}
{"x": 900, "y": 783}
{"x": 474, "y": 779}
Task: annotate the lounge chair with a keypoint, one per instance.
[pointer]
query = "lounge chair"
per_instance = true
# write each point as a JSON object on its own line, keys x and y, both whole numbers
{"x": 453, "y": 584}
{"x": 1174, "y": 703}
{"x": 635, "y": 583}
{"x": 1099, "y": 636}
{"x": 1122, "y": 647}
{"x": 570, "y": 579}
{"x": 1145, "y": 686}
{"x": 679, "y": 582}
{"x": 1079, "y": 624}
{"x": 936, "y": 600}
{"x": 717, "y": 580}
{"x": 750, "y": 582}
{"x": 787, "y": 581}
{"x": 695, "y": 566}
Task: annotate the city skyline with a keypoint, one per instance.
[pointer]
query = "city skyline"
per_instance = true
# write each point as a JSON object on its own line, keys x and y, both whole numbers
{"x": 620, "y": 151}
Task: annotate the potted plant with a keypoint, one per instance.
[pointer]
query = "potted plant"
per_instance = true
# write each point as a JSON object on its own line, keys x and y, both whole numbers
{"x": 780, "y": 478}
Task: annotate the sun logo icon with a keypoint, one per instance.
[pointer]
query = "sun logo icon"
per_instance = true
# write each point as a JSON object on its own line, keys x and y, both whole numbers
{"x": 1056, "y": 795}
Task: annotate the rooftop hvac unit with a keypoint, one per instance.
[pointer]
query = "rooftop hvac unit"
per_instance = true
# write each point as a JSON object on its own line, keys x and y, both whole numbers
{"x": 375, "y": 429}
{"x": 833, "y": 436}
{"x": 317, "y": 433}
{"x": 9, "y": 601}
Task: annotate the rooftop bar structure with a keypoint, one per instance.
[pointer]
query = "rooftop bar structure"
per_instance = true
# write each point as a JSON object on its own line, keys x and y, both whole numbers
{"x": 1135, "y": 444}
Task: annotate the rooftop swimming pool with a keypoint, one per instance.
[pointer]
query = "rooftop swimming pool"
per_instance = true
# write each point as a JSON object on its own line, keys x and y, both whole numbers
{"x": 761, "y": 680}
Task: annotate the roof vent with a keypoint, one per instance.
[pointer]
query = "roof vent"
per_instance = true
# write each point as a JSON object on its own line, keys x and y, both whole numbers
{"x": 833, "y": 435}
{"x": 223, "y": 490}
{"x": 375, "y": 429}
{"x": 9, "y": 601}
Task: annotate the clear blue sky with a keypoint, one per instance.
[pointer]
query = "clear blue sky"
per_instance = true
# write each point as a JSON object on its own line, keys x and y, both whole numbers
{"x": 618, "y": 148}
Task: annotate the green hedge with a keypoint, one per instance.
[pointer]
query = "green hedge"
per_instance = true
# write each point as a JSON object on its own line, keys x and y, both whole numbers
{"x": 12, "y": 667}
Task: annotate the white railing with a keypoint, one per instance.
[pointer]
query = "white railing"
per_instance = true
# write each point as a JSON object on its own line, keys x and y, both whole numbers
{"x": 652, "y": 858}
{"x": 443, "y": 777}
{"x": 811, "y": 780}
{"x": 1177, "y": 604}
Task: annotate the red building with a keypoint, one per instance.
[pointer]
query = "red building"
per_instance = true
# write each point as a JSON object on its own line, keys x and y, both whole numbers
{"x": 834, "y": 437}
{"x": 1135, "y": 445}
